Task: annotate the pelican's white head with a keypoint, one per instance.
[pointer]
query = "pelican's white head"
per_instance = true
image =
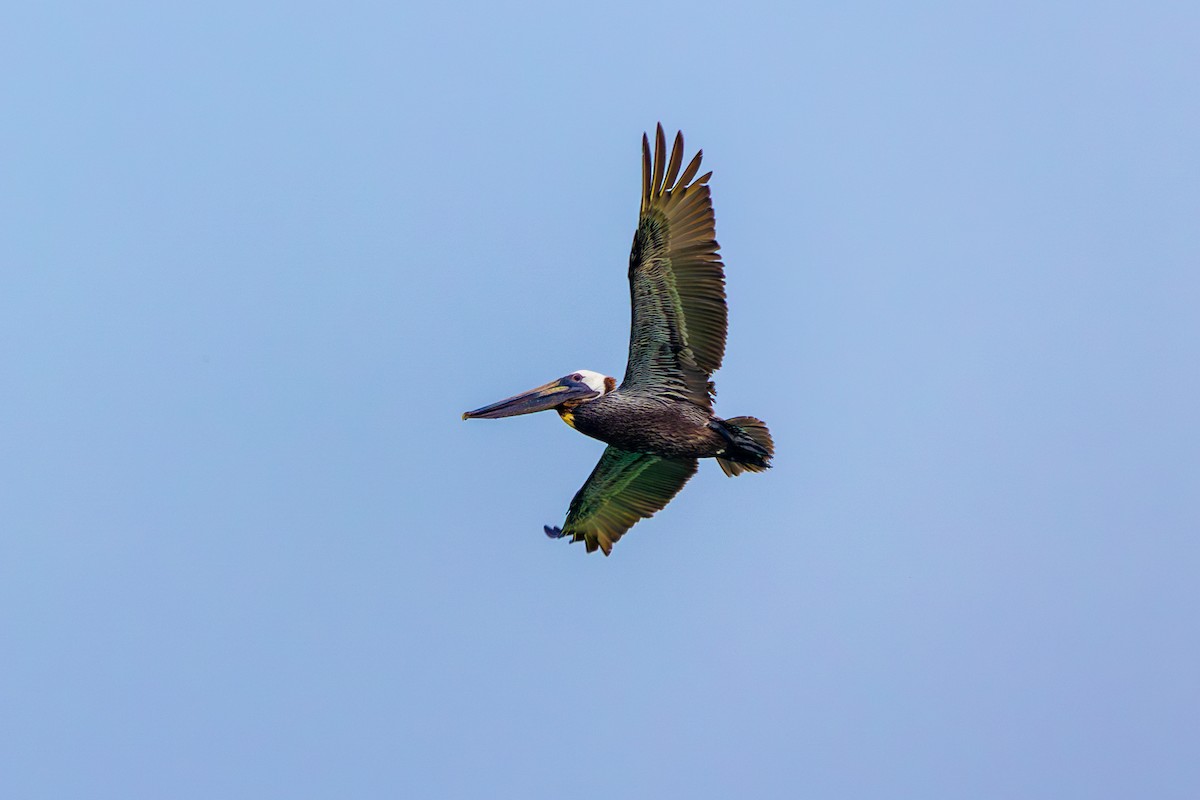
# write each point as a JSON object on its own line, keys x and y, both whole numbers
{"x": 598, "y": 383}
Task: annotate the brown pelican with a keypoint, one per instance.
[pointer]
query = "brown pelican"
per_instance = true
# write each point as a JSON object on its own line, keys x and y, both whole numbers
{"x": 660, "y": 419}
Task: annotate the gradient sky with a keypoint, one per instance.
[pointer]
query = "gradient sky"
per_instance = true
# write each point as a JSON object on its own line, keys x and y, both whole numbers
{"x": 258, "y": 258}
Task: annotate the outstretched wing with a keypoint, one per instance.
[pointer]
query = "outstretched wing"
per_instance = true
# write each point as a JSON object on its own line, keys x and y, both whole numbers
{"x": 676, "y": 281}
{"x": 623, "y": 488}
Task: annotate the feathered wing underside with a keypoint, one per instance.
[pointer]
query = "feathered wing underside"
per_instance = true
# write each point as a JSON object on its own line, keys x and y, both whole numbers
{"x": 623, "y": 488}
{"x": 676, "y": 280}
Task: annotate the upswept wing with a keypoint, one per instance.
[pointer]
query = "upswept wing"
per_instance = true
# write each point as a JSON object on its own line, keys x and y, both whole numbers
{"x": 623, "y": 488}
{"x": 676, "y": 281}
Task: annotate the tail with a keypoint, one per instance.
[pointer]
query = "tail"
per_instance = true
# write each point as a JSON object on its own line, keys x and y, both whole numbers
{"x": 750, "y": 446}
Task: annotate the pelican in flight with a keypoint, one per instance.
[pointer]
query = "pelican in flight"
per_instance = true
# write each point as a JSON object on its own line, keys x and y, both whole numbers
{"x": 660, "y": 420}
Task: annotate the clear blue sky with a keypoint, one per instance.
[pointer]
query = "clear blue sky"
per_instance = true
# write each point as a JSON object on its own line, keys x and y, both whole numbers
{"x": 257, "y": 259}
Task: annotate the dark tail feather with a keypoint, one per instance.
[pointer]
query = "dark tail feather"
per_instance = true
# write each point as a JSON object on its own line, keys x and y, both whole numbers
{"x": 750, "y": 446}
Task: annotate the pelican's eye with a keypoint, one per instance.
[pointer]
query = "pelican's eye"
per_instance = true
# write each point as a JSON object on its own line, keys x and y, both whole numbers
{"x": 576, "y": 377}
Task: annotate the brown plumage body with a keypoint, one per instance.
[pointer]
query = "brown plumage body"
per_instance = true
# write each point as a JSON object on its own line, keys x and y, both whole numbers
{"x": 643, "y": 423}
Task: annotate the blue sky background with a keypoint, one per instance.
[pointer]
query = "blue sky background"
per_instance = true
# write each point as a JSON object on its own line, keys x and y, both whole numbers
{"x": 258, "y": 258}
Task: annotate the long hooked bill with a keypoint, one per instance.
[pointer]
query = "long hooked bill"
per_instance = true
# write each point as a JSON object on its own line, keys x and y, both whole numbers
{"x": 542, "y": 398}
